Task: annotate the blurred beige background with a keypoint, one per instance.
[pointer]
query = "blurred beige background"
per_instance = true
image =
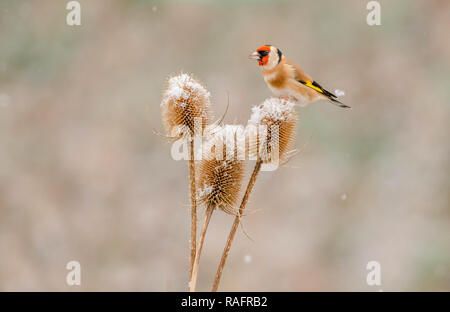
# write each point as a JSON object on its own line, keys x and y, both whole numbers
{"x": 83, "y": 177}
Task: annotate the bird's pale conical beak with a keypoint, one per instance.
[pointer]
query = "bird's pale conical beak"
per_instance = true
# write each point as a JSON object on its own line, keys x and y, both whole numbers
{"x": 255, "y": 56}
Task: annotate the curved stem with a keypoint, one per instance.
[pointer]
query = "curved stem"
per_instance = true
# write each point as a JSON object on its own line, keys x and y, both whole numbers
{"x": 193, "y": 244}
{"x": 201, "y": 240}
{"x": 235, "y": 225}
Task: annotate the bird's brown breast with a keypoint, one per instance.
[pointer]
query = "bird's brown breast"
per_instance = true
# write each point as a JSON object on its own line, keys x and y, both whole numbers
{"x": 275, "y": 79}
{"x": 279, "y": 76}
{"x": 278, "y": 81}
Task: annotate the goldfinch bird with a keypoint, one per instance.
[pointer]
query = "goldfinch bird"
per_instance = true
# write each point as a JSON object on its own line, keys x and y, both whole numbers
{"x": 287, "y": 79}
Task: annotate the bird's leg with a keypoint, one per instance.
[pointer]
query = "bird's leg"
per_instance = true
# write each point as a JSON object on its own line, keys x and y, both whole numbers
{"x": 288, "y": 98}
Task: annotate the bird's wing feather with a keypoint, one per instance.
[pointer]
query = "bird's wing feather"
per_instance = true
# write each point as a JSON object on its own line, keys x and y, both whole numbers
{"x": 299, "y": 74}
{"x": 302, "y": 77}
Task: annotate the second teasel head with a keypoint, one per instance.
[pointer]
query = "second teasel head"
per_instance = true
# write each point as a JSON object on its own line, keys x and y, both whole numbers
{"x": 220, "y": 174}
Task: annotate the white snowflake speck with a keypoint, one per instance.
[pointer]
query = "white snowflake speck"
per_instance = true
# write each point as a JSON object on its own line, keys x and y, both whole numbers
{"x": 339, "y": 93}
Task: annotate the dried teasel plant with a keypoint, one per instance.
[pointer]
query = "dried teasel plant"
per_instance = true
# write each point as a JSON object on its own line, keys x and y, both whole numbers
{"x": 185, "y": 114}
{"x": 220, "y": 175}
{"x": 185, "y": 101}
{"x": 278, "y": 121}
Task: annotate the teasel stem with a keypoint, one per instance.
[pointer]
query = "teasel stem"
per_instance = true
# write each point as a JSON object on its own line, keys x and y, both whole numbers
{"x": 193, "y": 244}
{"x": 186, "y": 101}
{"x": 193, "y": 282}
{"x": 235, "y": 225}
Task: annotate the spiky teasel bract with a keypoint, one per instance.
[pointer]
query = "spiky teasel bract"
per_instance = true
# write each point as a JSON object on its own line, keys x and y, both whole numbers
{"x": 222, "y": 168}
{"x": 184, "y": 100}
{"x": 279, "y": 119}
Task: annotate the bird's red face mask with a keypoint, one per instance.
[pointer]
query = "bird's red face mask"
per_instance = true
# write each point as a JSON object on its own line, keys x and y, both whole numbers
{"x": 262, "y": 55}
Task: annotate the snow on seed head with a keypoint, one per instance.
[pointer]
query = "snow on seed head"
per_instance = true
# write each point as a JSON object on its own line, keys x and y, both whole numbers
{"x": 184, "y": 101}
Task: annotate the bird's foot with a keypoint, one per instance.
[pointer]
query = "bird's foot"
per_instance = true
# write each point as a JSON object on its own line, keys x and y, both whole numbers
{"x": 288, "y": 98}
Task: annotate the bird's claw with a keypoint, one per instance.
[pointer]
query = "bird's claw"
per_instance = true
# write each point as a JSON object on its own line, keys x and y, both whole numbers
{"x": 288, "y": 98}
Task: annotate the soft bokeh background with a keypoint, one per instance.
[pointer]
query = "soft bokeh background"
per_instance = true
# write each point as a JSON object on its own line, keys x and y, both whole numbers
{"x": 83, "y": 177}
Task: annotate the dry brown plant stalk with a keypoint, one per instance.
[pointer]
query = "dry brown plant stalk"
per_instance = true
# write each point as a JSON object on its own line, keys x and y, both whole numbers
{"x": 220, "y": 176}
{"x": 186, "y": 104}
{"x": 280, "y": 118}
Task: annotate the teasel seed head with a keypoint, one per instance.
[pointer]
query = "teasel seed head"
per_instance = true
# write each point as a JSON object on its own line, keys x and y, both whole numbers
{"x": 184, "y": 101}
{"x": 220, "y": 174}
{"x": 279, "y": 117}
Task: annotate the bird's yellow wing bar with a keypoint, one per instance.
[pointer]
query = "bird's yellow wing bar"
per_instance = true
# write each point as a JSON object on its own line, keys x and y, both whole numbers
{"x": 312, "y": 86}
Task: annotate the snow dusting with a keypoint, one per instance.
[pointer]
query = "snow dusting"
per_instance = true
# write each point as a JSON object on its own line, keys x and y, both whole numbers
{"x": 181, "y": 88}
{"x": 273, "y": 108}
{"x": 204, "y": 191}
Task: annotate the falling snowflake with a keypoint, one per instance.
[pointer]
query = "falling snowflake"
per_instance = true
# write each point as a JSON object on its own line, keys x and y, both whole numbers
{"x": 339, "y": 92}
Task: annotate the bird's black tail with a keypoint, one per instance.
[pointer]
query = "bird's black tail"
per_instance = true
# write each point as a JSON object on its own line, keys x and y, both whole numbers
{"x": 331, "y": 97}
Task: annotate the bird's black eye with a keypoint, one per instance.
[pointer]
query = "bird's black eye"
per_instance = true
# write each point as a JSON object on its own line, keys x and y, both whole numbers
{"x": 263, "y": 53}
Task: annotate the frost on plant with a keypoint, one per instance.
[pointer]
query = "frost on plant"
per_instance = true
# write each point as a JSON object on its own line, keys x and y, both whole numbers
{"x": 273, "y": 109}
{"x": 220, "y": 171}
{"x": 276, "y": 121}
{"x": 184, "y": 101}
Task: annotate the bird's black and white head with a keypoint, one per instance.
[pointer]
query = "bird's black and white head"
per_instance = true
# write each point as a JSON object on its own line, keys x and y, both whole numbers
{"x": 267, "y": 55}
